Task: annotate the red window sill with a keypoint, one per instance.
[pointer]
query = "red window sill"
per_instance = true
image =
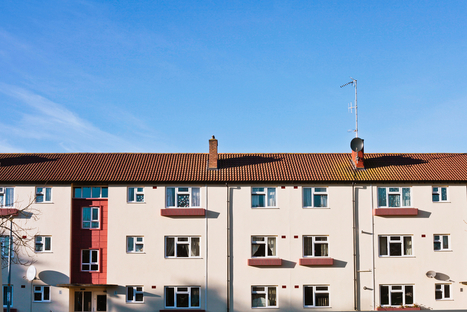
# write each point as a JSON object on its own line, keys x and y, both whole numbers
{"x": 392, "y": 212}
{"x": 316, "y": 261}
{"x": 398, "y": 309}
{"x": 8, "y": 212}
{"x": 265, "y": 262}
{"x": 182, "y": 310}
{"x": 177, "y": 212}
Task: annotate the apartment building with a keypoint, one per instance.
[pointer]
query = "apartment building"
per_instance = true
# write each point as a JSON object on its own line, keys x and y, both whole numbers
{"x": 238, "y": 232}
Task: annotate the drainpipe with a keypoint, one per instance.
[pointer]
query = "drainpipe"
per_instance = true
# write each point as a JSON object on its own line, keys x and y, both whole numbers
{"x": 206, "y": 251}
{"x": 354, "y": 224}
{"x": 229, "y": 252}
{"x": 373, "y": 247}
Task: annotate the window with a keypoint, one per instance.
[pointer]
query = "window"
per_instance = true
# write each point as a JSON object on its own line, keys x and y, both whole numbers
{"x": 134, "y": 294}
{"x": 182, "y": 247}
{"x": 262, "y": 197}
{"x": 89, "y": 260}
{"x": 91, "y": 192}
{"x": 315, "y": 197}
{"x": 91, "y": 217}
{"x": 183, "y": 197}
{"x": 43, "y": 243}
{"x": 43, "y": 194}
{"x": 442, "y": 291}
{"x": 316, "y": 296}
{"x": 7, "y": 197}
{"x": 263, "y": 296}
{"x": 41, "y": 293}
{"x": 136, "y": 194}
{"x": 263, "y": 246}
{"x": 182, "y": 297}
{"x": 395, "y": 246}
{"x": 441, "y": 242}
{"x": 440, "y": 194}
{"x": 5, "y": 245}
{"x": 394, "y": 197}
{"x": 134, "y": 244}
{"x": 315, "y": 246}
{"x": 7, "y": 295}
{"x": 396, "y": 295}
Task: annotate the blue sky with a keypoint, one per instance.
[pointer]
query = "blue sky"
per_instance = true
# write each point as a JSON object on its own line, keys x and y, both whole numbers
{"x": 263, "y": 76}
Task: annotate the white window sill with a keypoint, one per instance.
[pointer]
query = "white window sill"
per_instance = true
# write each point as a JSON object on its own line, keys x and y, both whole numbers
{"x": 135, "y": 302}
{"x": 316, "y": 207}
{"x": 265, "y": 208}
{"x": 444, "y": 250}
{"x": 41, "y": 203}
{"x": 137, "y": 203}
{"x": 135, "y": 253}
{"x": 442, "y": 202}
{"x": 397, "y": 257}
{"x": 43, "y": 252}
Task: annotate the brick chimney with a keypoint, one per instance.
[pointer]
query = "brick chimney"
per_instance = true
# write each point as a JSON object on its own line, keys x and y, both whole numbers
{"x": 358, "y": 157}
{"x": 212, "y": 161}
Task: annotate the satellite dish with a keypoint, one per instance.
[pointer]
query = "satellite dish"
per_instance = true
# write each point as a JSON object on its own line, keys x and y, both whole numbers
{"x": 31, "y": 273}
{"x": 356, "y": 144}
{"x": 431, "y": 274}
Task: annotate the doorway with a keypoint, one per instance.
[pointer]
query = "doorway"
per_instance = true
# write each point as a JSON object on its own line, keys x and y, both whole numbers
{"x": 90, "y": 301}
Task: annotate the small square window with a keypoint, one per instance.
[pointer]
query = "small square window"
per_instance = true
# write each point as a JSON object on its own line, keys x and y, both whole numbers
{"x": 315, "y": 246}
{"x": 263, "y": 246}
{"x": 263, "y": 197}
{"x": 136, "y": 195}
{"x": 442, "y": 291}
{"x": 316, "y": 296}
{"x": 134, "y": 294}
{"x": 182, "y": 297}
{"x": 440, "y": 194}
{"x": 91, "y": 218}
{"x": 43, "y": 194}
{"x": 41, "y": 293}
{"x": 43, "y": 243}
{"x": 315, "y": 197}
{"x": 441, "y": 242}
{"x": 264, "y": 296}
{"x": 135, "y": 244}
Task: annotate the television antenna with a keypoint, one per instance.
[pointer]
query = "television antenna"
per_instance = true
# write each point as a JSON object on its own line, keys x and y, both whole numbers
{"x": 354, "y": 83}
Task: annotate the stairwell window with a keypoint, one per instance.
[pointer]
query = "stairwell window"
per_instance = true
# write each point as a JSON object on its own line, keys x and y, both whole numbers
{"x": 91, "y": 218}
{"x": 7, "y": 197}
{"x": 264, "y": 297}
{"x": 136, "y": 194}
{"x": 394, "y": 197}
{"x": 441, "y": 242}
{"x": 89, "y": 260}
{"x": 43, "y": 194}
{"x": 316, "y": 296}
{"x": 182, "y": 247}
{"x": 263, "y": 246}
{"x": 395, "y": 246}
{"x": 5, "y": 246}
{"x": 182, "y": 297}
{"x": 183, "y": 197}
{"x": 440, "y": 194}
{"x": 315, "y": 246}
{"x": 315, "y": 197}
{"x": 263, "y": 197}
{"x": 396, "y": 295}
{"x": 135, "y": 244}
{"x": 91, "y": 192}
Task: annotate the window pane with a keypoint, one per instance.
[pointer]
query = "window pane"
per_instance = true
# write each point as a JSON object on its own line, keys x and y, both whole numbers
{"x": 435, "y": 197}
{"x": 395, "y": 249}
{"x": 170, "y": 197}
{"x": 396, "y": 298}
{"x": 86, "y": 214}
{"x": 105, "y": 192}
{"x": 86, "y": 256}
{"x": 47, "y": 243}
{"x": 78, "y": 301}
{"x": 182, "y": 250}
{"x": 194, "y": 297}
{"x": 86, "y": 192}
{"x": 408, "y": 246}
{"x": 130, "y": 242}
{"x": 308, "y": 296}
{"x": 39, "y": 198}
{"x": 257, "y": 200}
{"x": 322, "y": 299}
{"x": 408, "y": 294}
{"x": 46, "y": 293}
{"x": 10, "y": 197}
{"x": 321, "y": 250}
{"x": 438, "y": 294}
{"x": 272, "y": 246}
{"x": 447, "y": 291}
{"x": 196, "y": 196}
{"x": 394, "y": 200}
{"x": 195, "y": 246}
{"x": 87, "y": 301}
{"x": 140, "y": 198}
{"x": 445, "y": 242}
{"x": 272, "y": 296}
{"x": 307, "y": 197}
{"x": 37, "y": 296}
{"x": 321, "y": 200}
{"x": 94, "y": 255}
{"x": 96, "y": 192}
{"x": 258, "y": 189}
{"x": 169, "y": 297}
{"x": 182, "y": 300}
{"x": 444, "y": 193}
{"x": 383, "y": 246}
{"x": 77, "y": 192}
{"x": 95, "y": 214}
{"x": 139, "y": 297}
{"x": 131, "y": 194}
{"x": 382, "y": 197}
{"x": 258, "y": 300}
{"x": 405, "y": 196}
{"x": 48, "y": 194}
{"x": 183, "y": 200}
{"x": 271, "y": 197}
{"x": 308, "y": 246}
{"x": 170, "y": 247}
{"x": 258, "y": 250}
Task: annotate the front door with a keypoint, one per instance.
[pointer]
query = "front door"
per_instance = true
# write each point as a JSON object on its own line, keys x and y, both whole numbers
{"x": 89, "y": 301}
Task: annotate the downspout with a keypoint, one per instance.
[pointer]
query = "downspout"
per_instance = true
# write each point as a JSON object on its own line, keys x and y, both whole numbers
{"x": 206, "y": 251}
{"x": 229, "y": 247}
{"x": 354, "y": 224}
{"x": 373, "y": 247}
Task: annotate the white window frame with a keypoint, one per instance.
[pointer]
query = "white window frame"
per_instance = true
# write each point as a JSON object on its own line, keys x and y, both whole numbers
{"x": 5, "y": 249}
{"x": 101, "y": 191}
{"x": 264, "y": 292}
{"x": 440, "y": 240}
{"x": 138, "y": 241}
{"x": 93, "y": 220}
{"x": 41, "y": 192}
{"x": 390, "y": 190}
{"x": 438, "y": 190}
{"x": 3, "y": 197}
{"x": 316, "y": 190}
{"x": 41, "y": 290}
{"x": 180, "y": 190}
{"x": 90, "y": 263}
{"x": 137, "y": 191}
{"x": 5, "y": 290}
{"x": 316, "y": 290}
{"x": 263, "y": 190}
{"x": 392, "y": 290}
{"x": 392, "y": 239}
{"x": 41, "y": 240}
{"x": 441, "y": 289}
{"x": 314, "y": 243}
{"x": 136, "y": 290}
{"x": 264, "y": 242}
{"x": 180, "y": 240}
{"x": 182, "y": 290}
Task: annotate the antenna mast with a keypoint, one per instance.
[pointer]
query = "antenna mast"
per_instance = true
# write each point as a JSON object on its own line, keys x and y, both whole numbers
{"x": 354, "y": 82}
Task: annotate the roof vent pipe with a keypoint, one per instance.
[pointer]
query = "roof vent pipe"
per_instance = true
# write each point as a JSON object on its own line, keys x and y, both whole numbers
{"x": 213, "y": 155}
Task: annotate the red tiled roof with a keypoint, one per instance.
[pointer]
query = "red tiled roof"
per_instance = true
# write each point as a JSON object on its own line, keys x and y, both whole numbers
{"x": 281, "y": 167}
